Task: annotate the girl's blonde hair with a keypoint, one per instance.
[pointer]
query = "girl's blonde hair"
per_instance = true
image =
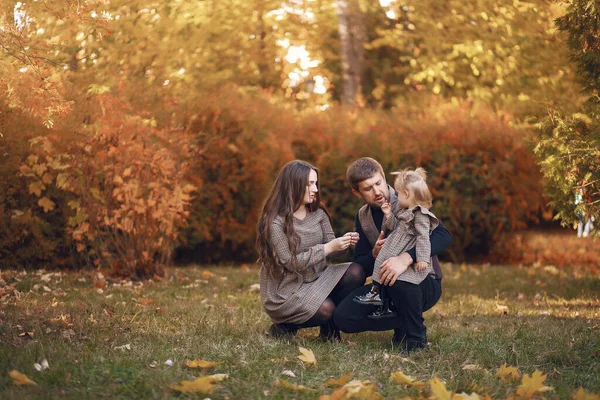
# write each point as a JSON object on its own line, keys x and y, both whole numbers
{"x": 416, "y": 182}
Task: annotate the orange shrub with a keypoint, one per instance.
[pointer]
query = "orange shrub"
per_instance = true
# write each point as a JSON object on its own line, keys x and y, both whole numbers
{"x": 29, "y": 238}
{"x": 242, "y": 143}
{"x": 130, "y": 197}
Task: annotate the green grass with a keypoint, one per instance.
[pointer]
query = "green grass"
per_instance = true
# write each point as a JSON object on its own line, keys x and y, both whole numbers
{"x": 531, "y": 318}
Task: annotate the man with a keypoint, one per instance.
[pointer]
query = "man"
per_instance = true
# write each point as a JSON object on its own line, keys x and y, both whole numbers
{"x": 368, "y": 182}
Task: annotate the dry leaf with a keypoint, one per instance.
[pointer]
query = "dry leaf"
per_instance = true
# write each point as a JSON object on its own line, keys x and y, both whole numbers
{"x": 581, "y": 394}
{"x": 289, "y": 373}
{"x": 465, "y": 396}
{"x": 201, "y": 364}
{"x": 146, "y": 301}
{"x": 507, "y": 373}
{"x": 204, "y": 384}
{"x": 283, "y": 383}
{"x": 219, "y": 377}
{"x": 399, "y": 378}
{"x": 438, "y": 388}
{"x": 471, "y": 367}
{"x": 62, "y": 320}
{"x": 363, "y": 390}
{"x": 206, "y": 274}
{"x": 307, "y": 356}
{"x": 20, "y": 379}
{"x": 341, "y": 381}
{"x": 533, "y": 384}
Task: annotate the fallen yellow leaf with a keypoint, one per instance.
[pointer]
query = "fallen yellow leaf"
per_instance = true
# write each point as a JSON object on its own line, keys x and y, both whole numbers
{"x": 20, "y": 379}
{"x": 201, "y": 364}
{"x": 283, "y": 383}
{"x": 206, "y": 274}
{"x": 533, "y": 384}
{"x": 341, "y": 381}
{"x": 363, "y": 390}
{"x": 581, "y": 394}
{"x": 203, "y": 384}
{"x": 464, "y": 396}
{"x": 219, "y": 377}
{"x": 507, "y": 373}
{"x": 399, "y": 378}
{"x": 438, "y": 388}
{"x": 307, "y": 356}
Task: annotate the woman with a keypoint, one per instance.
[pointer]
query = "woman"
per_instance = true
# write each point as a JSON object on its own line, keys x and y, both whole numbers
{"x": 298, "y": 287}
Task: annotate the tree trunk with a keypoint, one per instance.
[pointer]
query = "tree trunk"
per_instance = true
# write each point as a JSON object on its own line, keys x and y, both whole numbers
{"x": 351, "y": 52}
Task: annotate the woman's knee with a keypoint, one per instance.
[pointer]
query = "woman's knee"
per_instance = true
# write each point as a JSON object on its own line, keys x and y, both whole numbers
{"x": 356, "y": 274}
{"x": 326, "y": 310}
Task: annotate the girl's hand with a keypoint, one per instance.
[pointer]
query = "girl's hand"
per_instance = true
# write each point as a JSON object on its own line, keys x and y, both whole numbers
{"x": 421, "y": 266}
{"x": 386, "y": 208}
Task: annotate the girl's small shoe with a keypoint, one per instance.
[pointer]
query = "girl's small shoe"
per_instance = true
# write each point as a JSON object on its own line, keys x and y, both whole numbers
{"x": 372, "y": 298}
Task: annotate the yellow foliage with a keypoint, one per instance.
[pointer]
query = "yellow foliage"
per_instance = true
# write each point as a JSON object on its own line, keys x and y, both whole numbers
{"x": 507, "y": 373}
{"x": 581, "y": 394}
{"x": 283, "y": 383}
{"x": 530, "y": 385}
{"x": 307, "y": 356}
{"x": 20, "y": 379}
{"x": 341, "y": 381}
{"x": 203, "y": 384}
{"x": 438, "y": 388}
{"x": 399, "y": 378}
{"x": 46, "y": 204}
{"x": 201, "y": 364}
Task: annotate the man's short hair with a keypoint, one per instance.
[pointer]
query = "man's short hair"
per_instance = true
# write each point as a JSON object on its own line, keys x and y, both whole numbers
{"x": 362, "y": 169}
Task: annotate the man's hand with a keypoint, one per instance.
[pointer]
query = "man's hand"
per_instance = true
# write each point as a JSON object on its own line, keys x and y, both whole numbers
{"x": 378, "y": 244}
{"x": 393, "y": 267}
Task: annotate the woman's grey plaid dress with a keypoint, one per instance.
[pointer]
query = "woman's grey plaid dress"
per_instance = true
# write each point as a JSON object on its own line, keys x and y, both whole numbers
{"x": 295, "y": 298}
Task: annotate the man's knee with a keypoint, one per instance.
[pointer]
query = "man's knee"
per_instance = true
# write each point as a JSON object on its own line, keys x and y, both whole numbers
{"x": 342, "y": 317}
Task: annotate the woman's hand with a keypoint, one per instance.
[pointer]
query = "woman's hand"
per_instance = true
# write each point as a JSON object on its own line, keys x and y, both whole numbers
{"x": 354, "y": 236}
{"x": 393, "y": 267}
{"x": 338, "y": 244}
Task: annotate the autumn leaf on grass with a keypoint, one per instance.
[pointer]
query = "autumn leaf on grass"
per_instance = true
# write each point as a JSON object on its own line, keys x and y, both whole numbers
{"x": 62, "y": 320}
{"x": 363, "y": 390}
{"x": 206, "y": 274}
{"x": 465, "y": 396}
{"x": 307, "y": 356}
{"x": 507, "y": 373}
{"x": 283, "y": 383}
{"x": 204, "y": 384}
{"x": 201, "y": 364}
{"x": 20, "y": 379}
{"x": 145, "y": 301}
{"x": 581, "y": 394}
{"x": 341, "y": 381}
{"x": 438, "y": 388}
{"x": 533, "y": 384}
{"x": 399, "y": 378}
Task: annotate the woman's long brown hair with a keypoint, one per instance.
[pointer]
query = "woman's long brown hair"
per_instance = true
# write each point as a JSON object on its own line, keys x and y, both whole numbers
{"x": 286, "y": 196}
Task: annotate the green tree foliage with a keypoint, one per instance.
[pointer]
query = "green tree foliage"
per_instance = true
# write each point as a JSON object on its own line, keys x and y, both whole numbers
{"x": 569, "y": 144}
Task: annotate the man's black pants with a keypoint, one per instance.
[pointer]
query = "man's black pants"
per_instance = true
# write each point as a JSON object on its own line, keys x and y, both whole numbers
{"x": 409, "y": 301}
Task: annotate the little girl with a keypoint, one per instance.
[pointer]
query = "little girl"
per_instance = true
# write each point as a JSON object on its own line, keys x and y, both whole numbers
{"x": 410, "y": 225}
